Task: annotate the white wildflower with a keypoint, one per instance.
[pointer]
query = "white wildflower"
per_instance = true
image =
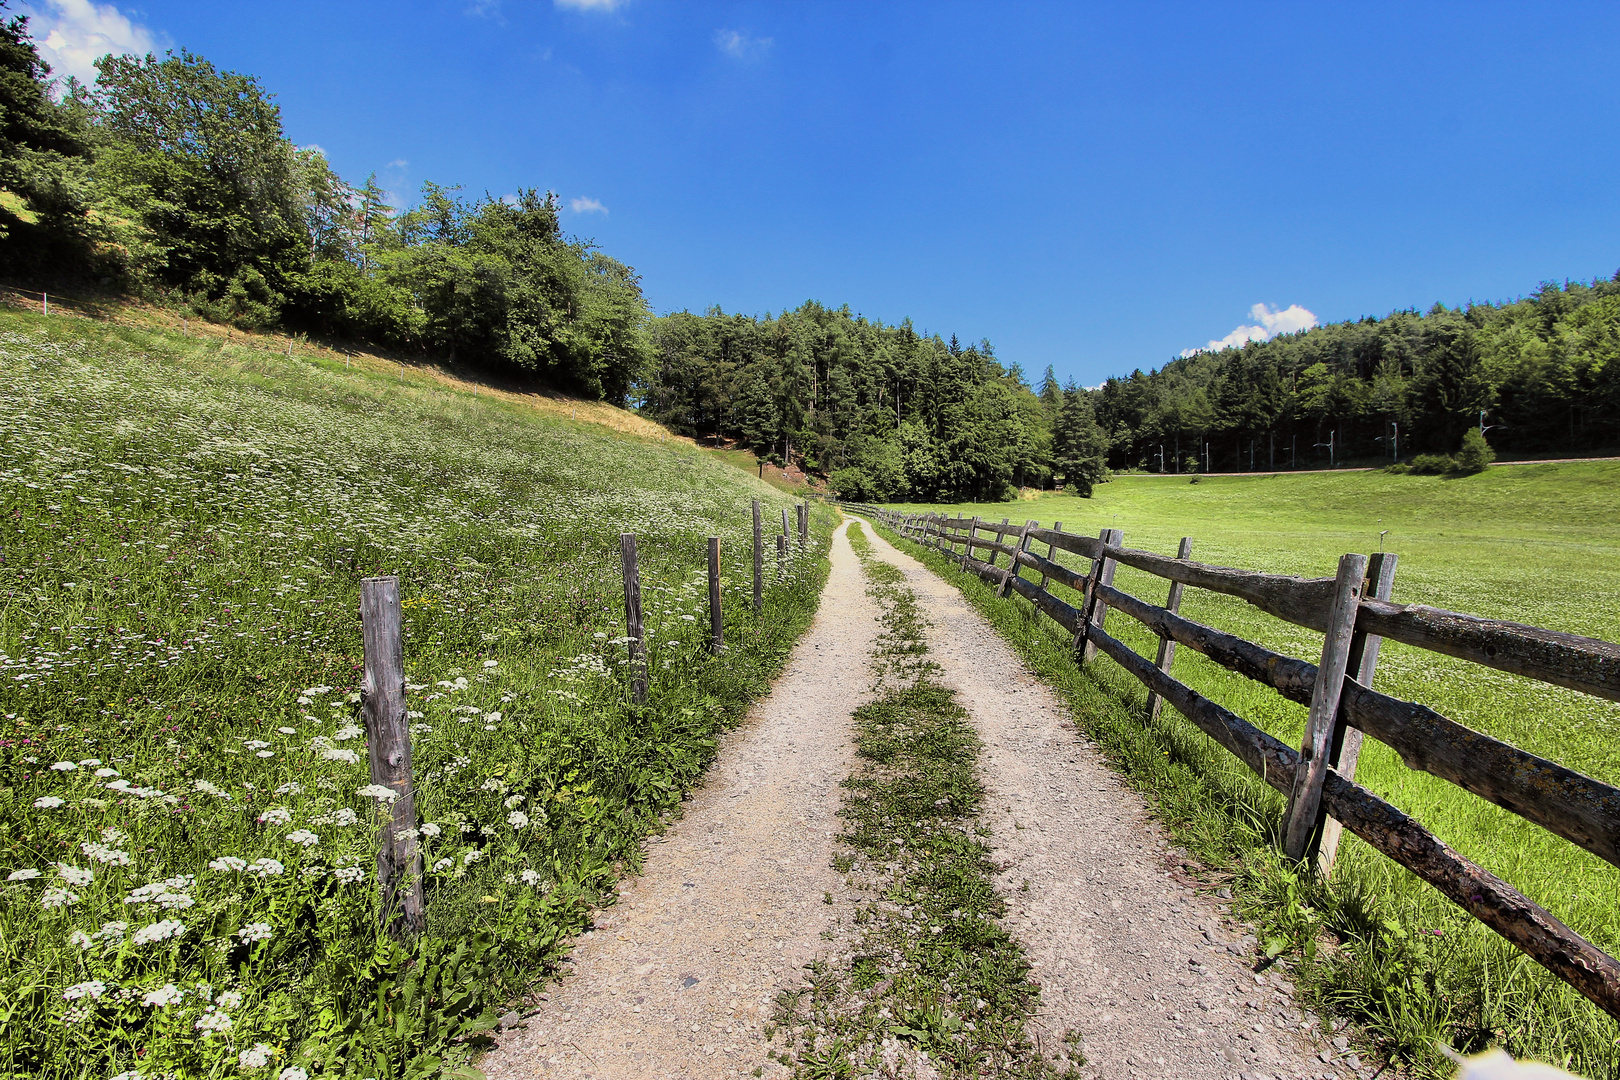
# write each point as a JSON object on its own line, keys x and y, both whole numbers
{"x": 47, "y": 802}
{"x": 55, "y": 897}
{"x": 378, "y": 792}
{"x": 442, "y": 865}
{"x": 213, "y": 1021}
{"x": 349, "y": 875}
{"x": 287, "y": 730}
{"x": 515, "y": 801}
{"x": 255, "y": 1058}
{"x": 531, "y": 877}
{"x": 104, "y": 772}
{"x": 256, "y": 931}
{"x": 227, "y": 862}
{"x": 81, "y": 939}
{"x": 103, "y": 853}
{"x": 230, "y": 999}
{"x": 490, "y": 663}
{"x": 25, "y": 874}
{"x": 92, "y": 990}
{"x": 350, "y": 731}
{"x": 277, "y": 815}
{"x": 293, "y": 1072}
{"x": 517, "y": 819}
{"x": 430, "y": 829}
{"x": 158, "y": 931}
{"x": 303, "y": 837}
{"x": 64, "y": 766}
{"x": 74, "y": 875}
{"x": 265, "y": 868}
{"x": 472, "y": 856}
{"x": 164, "y": 996}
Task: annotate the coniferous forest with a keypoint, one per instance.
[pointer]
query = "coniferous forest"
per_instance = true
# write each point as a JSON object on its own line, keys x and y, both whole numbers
{"x": 173, "y": 181}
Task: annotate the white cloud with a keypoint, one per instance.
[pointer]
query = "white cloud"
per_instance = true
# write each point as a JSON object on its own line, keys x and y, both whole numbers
{"x": 73, "y": 34}
{"x": 583, "y": 205}
{"x": 591, "y": 5}
{"x": 741, "y": 46}
{"x": 1267, "y": 324}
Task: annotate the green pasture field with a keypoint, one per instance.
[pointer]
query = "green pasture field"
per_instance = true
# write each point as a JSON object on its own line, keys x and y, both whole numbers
{"x": 1538, "y": 544}
{"x": 187, "y": 845}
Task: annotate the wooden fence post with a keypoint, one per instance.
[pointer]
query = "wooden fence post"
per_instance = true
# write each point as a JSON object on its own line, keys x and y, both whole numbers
{"x": 1102, "y": 573}
{"x": 45, "y": 302}
{"x": 759, "y": 559}
{"x": 785, "y": 530}
{"x": 1013, "y": 570}
{"x": 781, "y": 553}
{"x": 388, "y": 740}
{"x": 993, "y": 551}
{"x": 1167, "y": 646}
{"x": 1051, "y": 551}
{"x": 1305, "y": 801}
{"x": 632, "y": 617}
{"x": 717, "y": 637}
{"x": 1345, "y": 750}
{"x": 967, "y": 548}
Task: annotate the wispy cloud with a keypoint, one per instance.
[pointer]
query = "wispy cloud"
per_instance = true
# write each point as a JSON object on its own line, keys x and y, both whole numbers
{"x": 583, "y": 205}
{"x": 73, "y": 34}
{"x": 591, "y": 5}
{"x": 741, "y": 46}
{"x": 1267, "y": 324}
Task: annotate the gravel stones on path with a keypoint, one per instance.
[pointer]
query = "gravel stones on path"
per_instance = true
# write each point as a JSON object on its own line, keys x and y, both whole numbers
{"x": 1153, "y": 974}
{"x": 676, "y": 980}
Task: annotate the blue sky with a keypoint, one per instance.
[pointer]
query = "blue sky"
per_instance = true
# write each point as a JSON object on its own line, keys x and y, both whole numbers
{"x": 1093, "y": 186}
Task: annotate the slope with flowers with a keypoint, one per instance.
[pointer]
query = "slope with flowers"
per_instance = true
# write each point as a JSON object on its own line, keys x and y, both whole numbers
{"x": 186, "y": 822}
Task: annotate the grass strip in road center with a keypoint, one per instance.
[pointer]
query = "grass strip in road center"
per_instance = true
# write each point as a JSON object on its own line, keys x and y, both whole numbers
{"x": 932, "y": 978}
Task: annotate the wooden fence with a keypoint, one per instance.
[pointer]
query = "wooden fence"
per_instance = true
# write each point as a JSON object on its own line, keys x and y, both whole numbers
{"x": 1354, "y": 613}
{"x": 388, "y": 735}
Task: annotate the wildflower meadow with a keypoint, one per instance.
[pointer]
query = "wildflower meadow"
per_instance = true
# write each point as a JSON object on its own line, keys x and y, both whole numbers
{"x": 189, "y": 830}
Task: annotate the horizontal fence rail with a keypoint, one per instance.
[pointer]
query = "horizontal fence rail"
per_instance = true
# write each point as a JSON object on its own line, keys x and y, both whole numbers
{"x": 1354, "y": 613}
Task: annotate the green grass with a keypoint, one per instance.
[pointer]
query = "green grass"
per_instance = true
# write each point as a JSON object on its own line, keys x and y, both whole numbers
{"x": 933, "y": 982}
{"x": 188, "y": 852}
{"x": 1537, "y": 544}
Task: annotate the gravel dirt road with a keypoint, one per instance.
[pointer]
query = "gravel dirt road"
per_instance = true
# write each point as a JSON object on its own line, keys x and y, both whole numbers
{"x": 1151, "y": 971}
{"x": 676, "y": 980}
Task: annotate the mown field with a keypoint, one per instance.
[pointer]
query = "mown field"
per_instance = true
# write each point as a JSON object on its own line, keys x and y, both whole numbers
{"x": 188, "y": 852}
{"x": 1536, "y": 544}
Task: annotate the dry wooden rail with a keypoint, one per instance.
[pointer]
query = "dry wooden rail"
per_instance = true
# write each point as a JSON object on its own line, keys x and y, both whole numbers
{"x": 1354, "y": 613}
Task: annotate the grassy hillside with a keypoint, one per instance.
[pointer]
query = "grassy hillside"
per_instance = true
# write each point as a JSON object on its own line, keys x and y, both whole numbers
{"x": 189, "y": 857}
{"x": 1537, "y": 544}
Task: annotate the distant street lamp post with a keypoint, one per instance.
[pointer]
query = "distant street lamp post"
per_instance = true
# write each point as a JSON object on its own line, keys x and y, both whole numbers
{"x": 1332, "y": 436}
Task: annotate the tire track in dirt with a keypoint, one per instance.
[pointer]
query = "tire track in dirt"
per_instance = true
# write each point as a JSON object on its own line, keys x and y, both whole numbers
{"x": 1154, "y": 975}
{"x": 676, "y": 980}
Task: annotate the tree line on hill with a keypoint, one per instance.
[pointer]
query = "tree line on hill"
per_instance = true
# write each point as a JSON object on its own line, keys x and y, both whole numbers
{"x": 882, "y": 411}
{"x": 174, "y": 180}
{"x": 1539, "y": 375}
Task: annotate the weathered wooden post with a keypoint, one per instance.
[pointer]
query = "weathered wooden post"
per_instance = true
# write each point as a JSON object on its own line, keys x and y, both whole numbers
{"x": 967, "y": 548}
{"x": 759, "y": 559}
{"x": 781, "y": 553}
{"x": 1051, "y": 552}
{"x": 1345, "y": 750}
{"x": 388, "y": 742}
{"x": 1013, "y": 570}
{"x": 804, "y": 522}
{"x": 45, "y": 303}
{"x": 1305, "y": 801}
{"x": 1102, "y": 573}
{"x": 632, "y": 617}
{"x": 716, "y": 624}
{"x": 1167, "y": 646}
{"x": 1001, "y": 535}
{"x": 785, "y": 530}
